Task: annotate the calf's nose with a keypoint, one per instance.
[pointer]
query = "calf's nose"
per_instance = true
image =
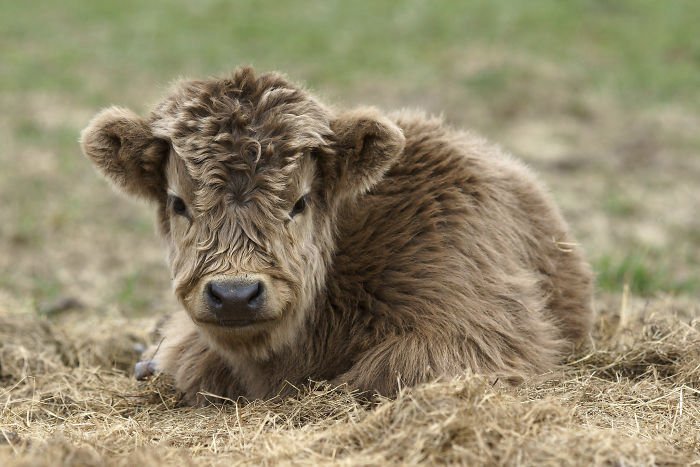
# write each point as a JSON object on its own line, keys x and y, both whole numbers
{"x": 235, "y": 300}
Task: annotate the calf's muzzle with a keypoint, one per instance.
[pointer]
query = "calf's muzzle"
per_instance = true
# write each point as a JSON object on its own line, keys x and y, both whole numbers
{"x": 235, "y": 302}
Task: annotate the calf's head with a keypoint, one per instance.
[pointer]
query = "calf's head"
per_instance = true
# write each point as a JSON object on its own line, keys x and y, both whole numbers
{"x": 249, "y": 174}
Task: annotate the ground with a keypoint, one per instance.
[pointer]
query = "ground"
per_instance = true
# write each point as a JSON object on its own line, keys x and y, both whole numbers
{"x": 601, "y": 98}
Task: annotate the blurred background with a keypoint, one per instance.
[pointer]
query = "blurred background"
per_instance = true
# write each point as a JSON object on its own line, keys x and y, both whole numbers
{"x": 601, "y": 97}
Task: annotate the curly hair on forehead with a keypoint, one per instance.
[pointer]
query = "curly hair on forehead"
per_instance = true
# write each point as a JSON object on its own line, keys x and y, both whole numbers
{"x": 241, "y": 135}
{"x": 213, "y": 114}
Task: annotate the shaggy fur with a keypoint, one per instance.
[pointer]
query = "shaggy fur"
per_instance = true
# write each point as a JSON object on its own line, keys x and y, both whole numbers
{"x": 424, "y": 252}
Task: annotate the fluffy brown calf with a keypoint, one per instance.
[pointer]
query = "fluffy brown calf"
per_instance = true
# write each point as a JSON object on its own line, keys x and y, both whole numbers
{"x": 307, "y": 243}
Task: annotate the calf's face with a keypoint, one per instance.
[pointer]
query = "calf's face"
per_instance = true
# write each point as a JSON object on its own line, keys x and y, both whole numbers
{"x": 248, "y": 174}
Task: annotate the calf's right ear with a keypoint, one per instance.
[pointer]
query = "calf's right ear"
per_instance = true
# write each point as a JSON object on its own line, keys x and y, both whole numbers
{"x": 122, "y": 147}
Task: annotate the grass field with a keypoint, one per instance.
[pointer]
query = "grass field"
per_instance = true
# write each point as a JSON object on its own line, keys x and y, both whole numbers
{"x": 601, "y": 97}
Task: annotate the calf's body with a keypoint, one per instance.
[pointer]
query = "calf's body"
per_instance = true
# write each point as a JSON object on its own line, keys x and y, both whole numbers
{"x": 418, "y": 251}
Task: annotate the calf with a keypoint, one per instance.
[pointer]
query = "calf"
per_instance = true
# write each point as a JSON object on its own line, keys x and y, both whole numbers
{"x": 351, "y": 246}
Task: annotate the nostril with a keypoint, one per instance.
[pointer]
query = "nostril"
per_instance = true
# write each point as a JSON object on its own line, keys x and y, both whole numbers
{"x": 256, "y": 293}
{"x": 214, "y": 295}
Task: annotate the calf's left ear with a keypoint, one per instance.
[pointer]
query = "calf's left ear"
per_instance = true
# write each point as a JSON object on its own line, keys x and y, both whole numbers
{"x": 122, "y": 147}
{"x": 367, "y": 145}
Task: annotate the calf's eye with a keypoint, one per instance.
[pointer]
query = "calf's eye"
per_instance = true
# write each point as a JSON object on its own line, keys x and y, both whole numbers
{"x": 178, "y": 205}
{"x": 299, "y": 206}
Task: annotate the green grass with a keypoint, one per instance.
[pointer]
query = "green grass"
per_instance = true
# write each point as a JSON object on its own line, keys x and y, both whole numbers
{"x": 139, "y": 292}
{"x": 617, "y": 204}
{"x": 645, "y": 274}
{"x": 46, "y": 289}
{"x": 133, "y": 293}
{"x": 96, "y": 50}
{"x": 61, "y": 61}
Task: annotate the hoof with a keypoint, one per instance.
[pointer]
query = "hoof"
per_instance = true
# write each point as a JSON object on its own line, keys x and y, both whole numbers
{"x": 144, "y": 370}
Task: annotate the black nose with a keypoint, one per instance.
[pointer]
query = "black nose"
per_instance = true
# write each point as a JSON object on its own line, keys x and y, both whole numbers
{"x": 235, "y": 301}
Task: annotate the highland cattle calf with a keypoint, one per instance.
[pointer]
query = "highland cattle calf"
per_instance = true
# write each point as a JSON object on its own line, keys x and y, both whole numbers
{"x": 350, "y": 246}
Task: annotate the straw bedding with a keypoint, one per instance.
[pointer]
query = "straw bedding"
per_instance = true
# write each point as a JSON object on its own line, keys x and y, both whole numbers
{"x": 67, "y": 397}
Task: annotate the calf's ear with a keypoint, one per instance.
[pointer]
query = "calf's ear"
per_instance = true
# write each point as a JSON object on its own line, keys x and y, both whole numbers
{"x": 367, "y": 145}
{"x": 122, "y": 147}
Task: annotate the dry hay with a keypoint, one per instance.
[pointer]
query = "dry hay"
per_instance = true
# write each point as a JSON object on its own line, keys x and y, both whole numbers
{"x": 67, "y": 398}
